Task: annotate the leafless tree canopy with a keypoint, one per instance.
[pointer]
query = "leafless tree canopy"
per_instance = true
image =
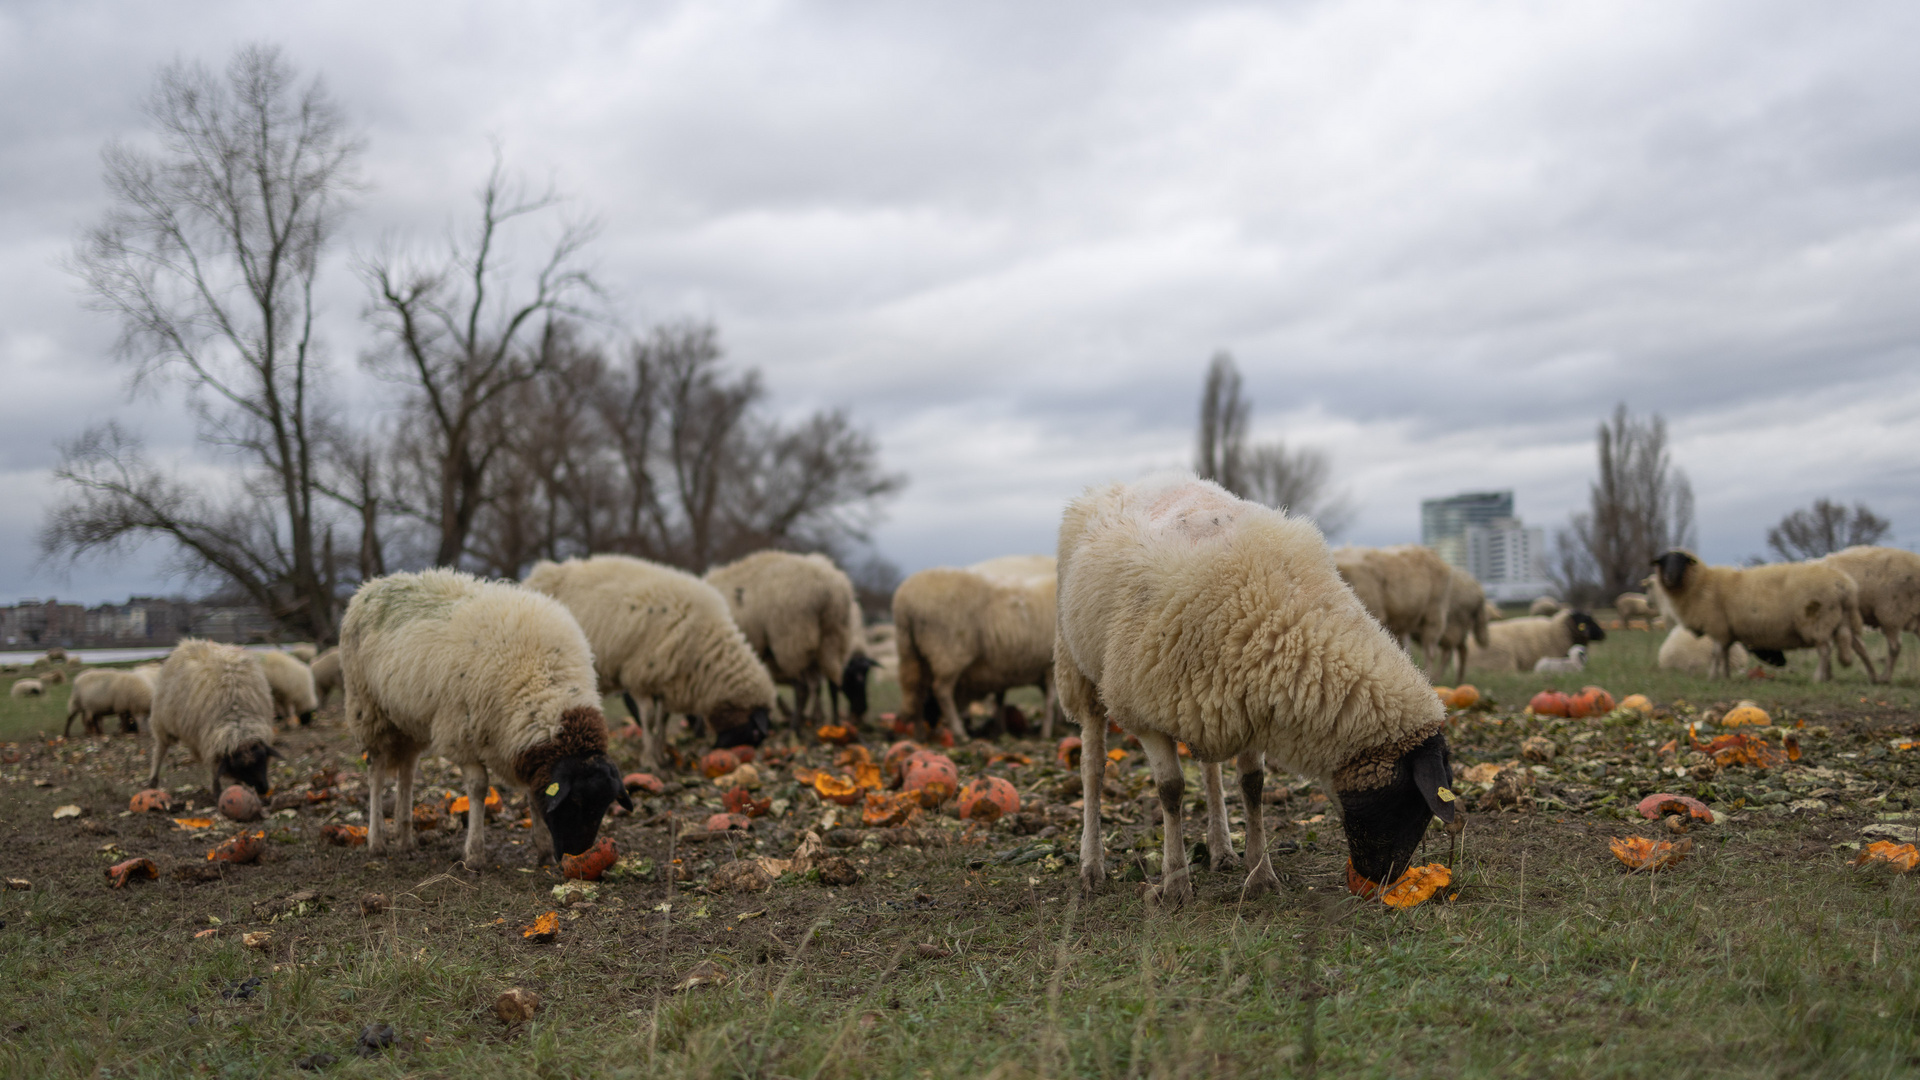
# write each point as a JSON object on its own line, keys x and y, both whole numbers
{"x": 1639, "y": 506}
{"x": 208, "y": 258}
{"x": 1296, "y": 480}
{"x": 1824, "y": 528}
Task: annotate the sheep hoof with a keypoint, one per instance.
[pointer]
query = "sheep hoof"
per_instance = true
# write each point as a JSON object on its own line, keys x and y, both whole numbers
{"x": 1224, "y": 861}
{"x": 1171, "y": 894}
{"x": 1261, "y": 882}
{"x": 1093, "y": 877}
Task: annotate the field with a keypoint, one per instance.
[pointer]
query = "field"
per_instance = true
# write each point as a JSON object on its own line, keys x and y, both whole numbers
{"x": 968, "y": 952}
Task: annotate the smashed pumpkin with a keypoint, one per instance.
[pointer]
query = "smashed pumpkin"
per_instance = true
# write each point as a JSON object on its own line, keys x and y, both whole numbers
{"x": 836, "y": 789}
{"x": 1598, "y": 700}
{"x": 988, "y": 798}
{"x": 893, "y": 766}
{"x": 933, "y": 776}
{"x": 852, "y": 754}
{"x": 886, "y": 809}
{"x": 866, "y": 776}
{"x": 1739, "y": 749}
{"x": 1638, "y": 853}
{"x": 838, "y": 734}
{"x": 591, "y": 863}
{"x": 646, "y": 782}
{"x": 1417, "y": 886}
{"x": 426, "y": 818}
{"x": 461, "y": 805}
{"x": 724, "y": 822}
{"x": 245, "y": 847}
{"x": 544, "y": 929}
{"x": 1638, "y": 703}
{"x": 1901, "y": 857}
{"x": 150, "y": 801}
{"x": 718, "y": 763}
{"x": 1068, "y": 752}
{"x": 143, "y": 869}
{"x": 1655, "y": 807}
{"x": 344, "y": 835}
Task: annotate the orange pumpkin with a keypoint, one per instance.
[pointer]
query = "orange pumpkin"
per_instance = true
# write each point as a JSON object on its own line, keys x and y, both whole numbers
{"x": 152, "y": 800}
{"x": 239, "y": 803}
{"x": 544, "y": 929}
{"x": 885, "y": 809}
{"x": 243, "y": 848}
{"x": 723, "y": 822}
{"x": 852, "y": 754}
{"x": 591, "y": 863}
{"x": 837, "y": 789}
{"x": 741, "y": 801}
{"x": 132, "y": 870}
{"x": 1069, "y": 752}
{"x": 893, "y": 766}
{"x": 1638, "y": 703}
{"x": 492, "y": 803}
{"x": 344, "y": 835}
{"x": 1443, "y": 693}
{"x": 866, "y": 775}
{"x": 934, "y": 776}
{"x": 1746, "y": 714}
{"x": 988, "y": 798}
{"x": 837, "y": 733}
{"x": 426, "y": 818}
{"x": 1464, "y": 696}
{"x": 646, "y": 782}
{"x": 1640, "y": 853}
{"x": 1549, "y": 703}
{"x": 1579, "y": 705}
{"x": 718, "y": 763}
{"x": 743, "y": 754}
{"x": 1417, "y": 885}
{"x": 1601, "y": 700}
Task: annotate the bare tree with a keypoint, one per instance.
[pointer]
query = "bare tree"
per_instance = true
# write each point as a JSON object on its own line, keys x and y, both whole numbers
{"x": 1639, "y": 506}
{"x": 209, "y": 258}
{"x": 1295, "y": 480}
{"x": 1224, "y": 415}
{"x": 456, "y": 333}
{"x": 1572, "y": 570}
{"x": 1824, "y": 528}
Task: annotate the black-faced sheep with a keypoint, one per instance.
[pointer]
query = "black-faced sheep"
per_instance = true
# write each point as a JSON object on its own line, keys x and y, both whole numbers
{"x": 1187, "y": 614}
{"x": 1406, "y": 588}
{"x": 665, "y": 637}
{"x": 964, "y": 634}
{"x": 1889, "y": 584}
{"x": 1766, "y": 608}
{"x": 799, "y": 614}
{"x": 1467, "y": 618}
{"x": 294, "y": 698}
{"x": 213, "y": 699}
{"x": 496, "y": 678}
{"x": 102, "y": 692}
{"x": 1518, "y": 644}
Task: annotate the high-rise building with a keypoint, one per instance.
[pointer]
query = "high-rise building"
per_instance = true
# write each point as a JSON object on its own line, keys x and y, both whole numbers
{"x": 1444, "y": 522}
{"x": 1478, "y": 533}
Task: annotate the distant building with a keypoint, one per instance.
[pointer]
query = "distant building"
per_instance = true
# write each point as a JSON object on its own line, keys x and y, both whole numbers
{"x": 141, "y": 621}
{"x": 1444, "y": 522}
{"x": 1478, "y": 532}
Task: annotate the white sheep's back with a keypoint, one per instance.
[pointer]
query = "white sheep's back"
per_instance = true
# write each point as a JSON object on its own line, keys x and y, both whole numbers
{"x": 1224, "y": 624}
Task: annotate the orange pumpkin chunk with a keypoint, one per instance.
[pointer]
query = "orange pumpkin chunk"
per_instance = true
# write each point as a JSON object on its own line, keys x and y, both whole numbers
{"x": 1638, "y": 853}
{"x": 591, "y": 863}
{"x": 1902, "y": 857}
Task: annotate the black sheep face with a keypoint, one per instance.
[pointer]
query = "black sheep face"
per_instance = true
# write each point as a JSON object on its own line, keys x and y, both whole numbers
{"x": 1385, "y": 824}
{"x": 248, "y": 765}
{"x": 575, "y": 800}
{"x": 853, "y": 683}
{"x": 1672, "y": 567}
{"x": 1586, "y": 629}
{"x": 758, "y": 725}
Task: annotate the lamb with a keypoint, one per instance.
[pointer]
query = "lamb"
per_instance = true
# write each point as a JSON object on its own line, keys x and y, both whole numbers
{"x": 294, "y": 697}
{"x": 326, "y": 675}
{"x": 1687, "y": 651}
{"x": 799, "y": 614}
{"x": 214, "y": 700}
{"x": 1188, "y": 614}
{"x": 106, "y": 692}
{"x": 1467, "y": 615}
{"x": 1519, "y": 644}
{"x": 1889, "y": 583}
{"x": 665, "y": 636}
{"x": 1545, "y": 605}
{"x": 27, "y": 688}
{"x": 1766, "y": 608}
{"x": 1407, "y": 588}
{"x": 497, "y": 678}
{"x": 1633, "y": 605}
{"x": 963, "y": 634}
{"x": 1574, "y": 661}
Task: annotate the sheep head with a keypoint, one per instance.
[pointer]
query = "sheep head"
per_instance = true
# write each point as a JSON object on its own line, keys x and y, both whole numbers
{"x": 248, "y": 765}
{"x": 853, "y": 682}
{"x": 1388, "y": 796}
{"x": 1585, "y": 628}
{"x": 575, "y": 799}
{"x": 1672, "y": 568}
{"x": 734, "y": 726}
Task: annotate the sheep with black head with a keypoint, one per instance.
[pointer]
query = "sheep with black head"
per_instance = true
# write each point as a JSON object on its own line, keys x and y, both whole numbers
{"x": 1769, "y": 609}
{"x": 214, "y": 700}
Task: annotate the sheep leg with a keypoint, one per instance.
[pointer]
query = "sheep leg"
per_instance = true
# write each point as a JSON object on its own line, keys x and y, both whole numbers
{"x": 1893, "y": 651}
{"x": 1093, "y": 776}
{"x": 475, "y": 855}
{"x": 1219, "y": 843}
{"x": 1046, "y": 715}
{"x": 1825, "y": 670}
{"x": 403, "y": 799}
{"x": 159, "y": 754}
{"x": 1253, "y": 774}
{"x": 376, "y": 792}
{"x": 949, "y": 712}
{"x": 1176, "y": 881}
{"x": 1717, "y": 663}
{"x": 1860, "y": 649}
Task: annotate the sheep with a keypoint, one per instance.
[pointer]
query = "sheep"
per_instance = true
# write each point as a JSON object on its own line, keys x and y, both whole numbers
{"x": 1574, "y": 661}
{"x": 497, "y": 678}
{"x": 106, "y": 692}
{"x": 56, "y": 655}
{"x": 294, "y": 697}
{"x": 326, "y": 675}
{"x": 799, "y": 614}
{"x": 1467, "y": 615}
{"x": 27, "y": 688}
{"x": 853, "y": 677}
{"x": 1407, "y": 588}
{"x": 1769, "y": 609}
{"x": 303, "y": 652}
{"x": 1545, "y": 605}
{"x": 665, "y": 636}
{"x": 1188, "y": 614}
{"x": 1889, "y": 583}
{"x": 214, "y": 700}
{"x": 1687, "y": 651}
{"x": 1633, "y": 605}
{"x": 1494, "y": 613}
{"x": 963, "y": 634}
{"x": 1518, "y": 644}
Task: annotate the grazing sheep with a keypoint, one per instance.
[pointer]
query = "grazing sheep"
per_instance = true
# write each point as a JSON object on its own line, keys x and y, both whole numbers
{"x": 1545, "y": 605}
{"x": 799, "y": 614}
{"x": 1406, "y": 588}
{"x": 1467, "y": 616}
{"x": 326, "y": 675}
{"x": 294, "y": 697}
{"x": 1518, "y": 644}
{"x": 27, "y": 688}
{"x": 853, "y": 677}
{"x": 214, "y": 700}
{"x": 1766, "y": 608}
{"x": 1633, "y": 605}
{"x": 1574, "y": 661}
{"x": 496, "y": 678}
{"x": 56, "y": 655}
{"x": 963, "y": 634}
{"x": 54, "y": 677}
{"x": 1687, "y": 651}
{"x": 302, "y": 652}
{"x": 105, "y": 692}
{"x": 1889, "y": 583}
{"x": 1494, "y": 613}
{"x": 665, "y": 637}
{"x": 1187, "y": 614}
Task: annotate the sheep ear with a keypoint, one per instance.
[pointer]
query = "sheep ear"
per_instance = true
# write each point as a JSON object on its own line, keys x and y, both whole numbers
{"x": 1431, "y": 777}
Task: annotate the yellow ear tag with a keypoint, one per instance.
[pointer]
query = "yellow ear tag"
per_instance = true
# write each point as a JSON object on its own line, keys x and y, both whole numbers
{"x": 553, "y": 788}
{"x": 1445, "y": 795}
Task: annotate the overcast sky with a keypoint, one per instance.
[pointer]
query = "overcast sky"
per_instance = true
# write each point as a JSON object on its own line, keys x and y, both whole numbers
{"x": 1442, "y": 240}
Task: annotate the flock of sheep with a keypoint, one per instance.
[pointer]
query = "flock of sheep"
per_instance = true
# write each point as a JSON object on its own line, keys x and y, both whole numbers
{"x": 1173, "y": 609}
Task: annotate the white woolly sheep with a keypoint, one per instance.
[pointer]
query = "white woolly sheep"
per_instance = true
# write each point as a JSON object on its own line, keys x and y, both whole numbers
{"x": 1769, "y": 609}
{"x": 1406, "y": 588}
{"x": 1889, "y": 584}
{"x": 214, "y": 700}
{"x": 105, "y": 692}
{"x": 1545, "y": 605}
{"x": 56, "y": 655}
{"x": 1519, "y": 644}
{"x": 303, "y": 652}
{"x": 1467, "y": 617}
{"x": 963, "y": 634}
{"x": 1574, "y": 661}
{"x": 665, "y": 637}
{"x": 27, "y": 688}
{"x": 1187, "y": 614}
{"x": 799, "y": 614}
{"x": 294, "y": 698}
{"x": 326, "y": 675}
{"x": 1687, "y": 651}
{"x": 497, "y": 679}
{"x": 1494, "y": 613}
{"x": 1633, "y": 605}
